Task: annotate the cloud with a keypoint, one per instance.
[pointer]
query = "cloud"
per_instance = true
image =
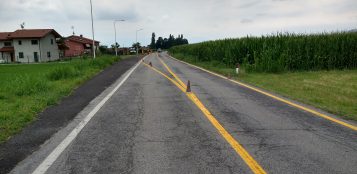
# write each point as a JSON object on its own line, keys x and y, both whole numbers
{"x": 244, "y": 21}
{"x": 198, "y": 20}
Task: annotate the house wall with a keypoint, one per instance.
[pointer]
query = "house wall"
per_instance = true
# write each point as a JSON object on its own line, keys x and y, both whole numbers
{"x": 75, "y": 49}
{"x": 1, "y": 54}
{"x": 5, "y": 56}
{"x": 2, "y": 43}
{"x": 46, "y": 46}
{"x": 28, "y": 49}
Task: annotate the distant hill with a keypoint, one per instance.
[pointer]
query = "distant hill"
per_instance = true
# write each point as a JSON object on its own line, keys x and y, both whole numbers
{"x": 353, "y": 31}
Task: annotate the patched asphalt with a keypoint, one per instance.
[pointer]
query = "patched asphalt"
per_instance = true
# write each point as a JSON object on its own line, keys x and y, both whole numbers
{"x": 150, "y": 126}
{"x": 55, "y": 117}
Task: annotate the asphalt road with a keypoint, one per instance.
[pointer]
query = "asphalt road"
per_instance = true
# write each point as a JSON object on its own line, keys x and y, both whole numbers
{"x": 150, "y": 126}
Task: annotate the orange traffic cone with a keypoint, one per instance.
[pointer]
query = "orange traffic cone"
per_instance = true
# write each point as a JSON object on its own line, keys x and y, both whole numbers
{"x": 188, "y": 89}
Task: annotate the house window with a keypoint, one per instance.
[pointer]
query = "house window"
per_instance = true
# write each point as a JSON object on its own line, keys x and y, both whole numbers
{"x": 51, "y": 41}
{"x": 7, "y": 44}
{"x": 49, "y": 54}
{"x": 34, "y": 42}
{"x": 20, "y": 42}
{"x": 21, "y": 55}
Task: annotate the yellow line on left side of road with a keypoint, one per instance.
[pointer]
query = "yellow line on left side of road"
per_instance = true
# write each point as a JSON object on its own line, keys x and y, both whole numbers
{"x": 244, "y": 154}
{"x": 172, "y": 73}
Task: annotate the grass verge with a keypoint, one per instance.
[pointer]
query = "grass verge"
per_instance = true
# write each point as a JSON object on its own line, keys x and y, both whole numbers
{"x": 333, "y": 91}
{"x": 26, "y": 90}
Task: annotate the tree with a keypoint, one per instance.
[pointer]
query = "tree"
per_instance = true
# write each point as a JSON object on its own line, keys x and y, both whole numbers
{"x": 116, "y": 44}
{"x": 166, "y": 43}
{"x": 152, "y": 44}
{"x": 136, "y": 45}
{"x": 160, "y": 43}
{"x": 103, "y": 48}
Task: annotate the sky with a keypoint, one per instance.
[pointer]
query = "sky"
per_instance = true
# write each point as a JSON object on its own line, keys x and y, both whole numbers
{"x": 197, "y": 20}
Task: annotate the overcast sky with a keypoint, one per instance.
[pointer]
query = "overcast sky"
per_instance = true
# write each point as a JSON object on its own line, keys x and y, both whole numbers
{"x": 197, "y": 20}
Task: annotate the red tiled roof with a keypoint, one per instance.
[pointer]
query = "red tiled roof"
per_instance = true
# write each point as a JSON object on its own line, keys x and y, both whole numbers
{"x": 3, "y": 35}
{"x": 81, "y": 39}
{"x": 7, "y": 49}
{"x": 32, "y": 33}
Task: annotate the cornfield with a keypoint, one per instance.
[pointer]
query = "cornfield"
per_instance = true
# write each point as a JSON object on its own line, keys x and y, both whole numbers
{"x": 280, "y": 52}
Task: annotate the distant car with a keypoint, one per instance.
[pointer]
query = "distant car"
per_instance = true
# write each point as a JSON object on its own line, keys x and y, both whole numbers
{"x": 2, "y": 61}
{"x": 159, "y": 50}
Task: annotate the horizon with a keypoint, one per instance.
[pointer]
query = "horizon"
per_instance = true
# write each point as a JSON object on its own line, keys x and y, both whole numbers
{"x": 216, "y": 19}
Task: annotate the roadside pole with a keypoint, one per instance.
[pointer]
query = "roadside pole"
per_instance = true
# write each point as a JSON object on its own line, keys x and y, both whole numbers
{"x": 136, "y": 41}
{"x": 91, "y": 12}
{"x": 115, "y": 33}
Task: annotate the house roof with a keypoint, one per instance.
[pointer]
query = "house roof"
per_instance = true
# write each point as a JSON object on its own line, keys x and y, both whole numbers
{"x": 7, "y": 49}
{"x": 32, "y": 33}
{"x": 81, "y": 39}
{"x": 4, "y": 35}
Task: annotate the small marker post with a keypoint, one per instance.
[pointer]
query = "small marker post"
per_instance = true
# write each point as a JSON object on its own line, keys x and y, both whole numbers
{"x": 237, "y": 68}
{"x": 188, "y": 89}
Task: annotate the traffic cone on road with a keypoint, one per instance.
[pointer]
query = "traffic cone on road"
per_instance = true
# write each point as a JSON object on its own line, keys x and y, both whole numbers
{"x": 188, "y": 89}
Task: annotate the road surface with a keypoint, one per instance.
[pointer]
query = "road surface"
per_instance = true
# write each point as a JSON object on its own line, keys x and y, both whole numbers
{"x": 150, "y": 125}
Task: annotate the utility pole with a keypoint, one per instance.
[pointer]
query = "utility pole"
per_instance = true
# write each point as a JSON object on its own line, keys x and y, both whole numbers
{"x": 136, "y": 41}
{"x": 91, "y": 12}
{"x": 115, "y": 31}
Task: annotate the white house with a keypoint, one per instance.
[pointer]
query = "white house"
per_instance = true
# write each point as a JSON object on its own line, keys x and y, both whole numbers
{"x": 29, "y": 45}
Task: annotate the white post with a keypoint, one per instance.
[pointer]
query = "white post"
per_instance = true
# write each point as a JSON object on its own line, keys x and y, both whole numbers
{"x": 91, "y": 12}
{"x": 115, "y": 31}
{"x": 136, "y": 41}
{"x": 237, "y": 68}
{"x": 115, "y": 43}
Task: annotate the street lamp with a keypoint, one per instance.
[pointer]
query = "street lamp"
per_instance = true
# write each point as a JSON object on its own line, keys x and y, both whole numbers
{"x": 115, "y": 31}
{"x": 91, "y": 13}
{"x": 136, "y": 41}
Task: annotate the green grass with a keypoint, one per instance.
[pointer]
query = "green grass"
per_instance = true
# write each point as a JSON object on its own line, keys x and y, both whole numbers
{"x": 334, "y": 91}
{"x": 26, "y": 90}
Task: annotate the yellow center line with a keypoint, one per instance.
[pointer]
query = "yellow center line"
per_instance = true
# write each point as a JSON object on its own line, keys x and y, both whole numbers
{"x": 278, "y": 98}
{"x": 247, "y": 158}
{"x": 172, "y": 73}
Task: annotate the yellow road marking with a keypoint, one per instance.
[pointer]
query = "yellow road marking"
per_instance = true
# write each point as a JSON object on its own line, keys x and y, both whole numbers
{"x": 278, "y": 98}
{"x": 247, "y": 158}
{"x": 172, "y": 73}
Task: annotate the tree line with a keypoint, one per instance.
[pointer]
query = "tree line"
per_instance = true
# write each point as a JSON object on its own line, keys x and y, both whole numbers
{"x": 166, "y": 43}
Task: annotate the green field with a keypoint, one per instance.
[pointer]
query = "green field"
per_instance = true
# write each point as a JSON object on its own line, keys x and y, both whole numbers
{"x": 25, "y": 90}
{"x": 334, "y": 91}
{"x": 279, "y": 53}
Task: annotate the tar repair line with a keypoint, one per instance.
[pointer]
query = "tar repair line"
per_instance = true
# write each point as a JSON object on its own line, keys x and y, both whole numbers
{"x": 277, "y": 98}
{"x": 52, "y": 157}
{"x": 247, "y": 158}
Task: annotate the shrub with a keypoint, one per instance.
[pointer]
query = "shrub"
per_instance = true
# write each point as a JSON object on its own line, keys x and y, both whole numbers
{"x": 27, "y": 85}
{"x": 64, "y": 72}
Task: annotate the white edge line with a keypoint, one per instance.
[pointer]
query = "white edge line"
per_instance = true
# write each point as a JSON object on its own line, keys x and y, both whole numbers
{"x": 52, "y": 157}
{"x": 283, "y": 98}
